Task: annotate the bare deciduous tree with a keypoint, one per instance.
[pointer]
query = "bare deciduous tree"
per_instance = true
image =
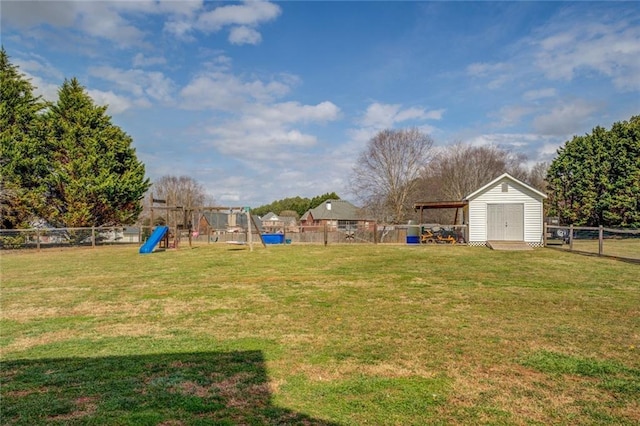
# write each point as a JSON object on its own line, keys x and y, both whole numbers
{"x": 538, "y": 176}
{"x": 181, "y": 191}
{"x": 458, "y": 170}
{"x": 387, "y": 172}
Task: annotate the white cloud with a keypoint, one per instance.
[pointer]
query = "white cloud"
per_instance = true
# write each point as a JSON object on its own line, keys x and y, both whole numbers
{"x": 221, "y": 90}
{"x": 103, "y": 20}
{"x": 140, "y": 60}
{"x": 28, "y": 14}
{"x": 535, "y": 94}
{"x": 268, "y": 132}
{"x": 497, "y": 73}
{"x": 511, "y": 115}
{"x": 40, "y": 74}
{"x": 116, "y": 104}
{"x": 382, "y": 116}
{"x": 116, "y": 21}
{"x": 244, "y": 35}
{"x": 180, "y": 28}
{"x": 535, "y": 146}
{"x": 182, "y": 7}
{"x": 250, "y": 13}
{"x": 611, "y": 49}
{"x": 242, "y": 18}
{"x": 564, "y": 119}
{"x": 47, "y": 90}
{"x": 484, "y": 69}
{"x": 294, "y": 112}
{"x": 139, "y": 83}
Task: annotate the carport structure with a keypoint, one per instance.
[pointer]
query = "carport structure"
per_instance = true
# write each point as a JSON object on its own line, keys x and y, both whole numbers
{"x": 429, "y": 205}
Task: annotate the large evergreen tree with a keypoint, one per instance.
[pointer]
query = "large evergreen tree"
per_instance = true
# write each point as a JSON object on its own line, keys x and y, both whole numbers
{"x": 595, "y": 178}
{"x": 97, "y": 179}
{"x": 23, "y": 154}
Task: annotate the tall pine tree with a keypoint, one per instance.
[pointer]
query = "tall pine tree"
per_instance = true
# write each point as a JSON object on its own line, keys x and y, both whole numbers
{"x": 24, "y": 157}
{"x": 97, "y": 179}
{"x": 595, "y": 179}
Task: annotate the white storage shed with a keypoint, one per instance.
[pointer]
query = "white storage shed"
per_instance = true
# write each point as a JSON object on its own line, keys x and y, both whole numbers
{"x": 505, "y": 209}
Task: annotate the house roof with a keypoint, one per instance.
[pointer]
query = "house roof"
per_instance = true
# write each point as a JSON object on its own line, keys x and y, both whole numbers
{"x": 340, "y": 210}
{"x": 506, "y": 176}
{"x": 271, "y": 216}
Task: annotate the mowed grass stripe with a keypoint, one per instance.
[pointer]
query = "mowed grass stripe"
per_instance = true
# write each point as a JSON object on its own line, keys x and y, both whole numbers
{"x": 345, "y": 334}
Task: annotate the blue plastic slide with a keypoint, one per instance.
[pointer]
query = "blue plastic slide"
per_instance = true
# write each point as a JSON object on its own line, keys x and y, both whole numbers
{"x": 154, "y": 239}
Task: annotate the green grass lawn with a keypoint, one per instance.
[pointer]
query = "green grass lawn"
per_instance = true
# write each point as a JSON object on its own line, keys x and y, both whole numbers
{"x": 301, "y": 334}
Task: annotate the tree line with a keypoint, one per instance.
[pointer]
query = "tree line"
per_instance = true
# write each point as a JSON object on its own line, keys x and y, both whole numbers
{"x": 65, "y": 164}
{"x": 399, "y": 168}
{"x": 294, "y": 206}
{"x": 593, "y": 180}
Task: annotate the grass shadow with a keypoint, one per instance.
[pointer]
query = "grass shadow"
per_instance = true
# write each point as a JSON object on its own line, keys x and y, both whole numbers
{"x": 221, "y": 388}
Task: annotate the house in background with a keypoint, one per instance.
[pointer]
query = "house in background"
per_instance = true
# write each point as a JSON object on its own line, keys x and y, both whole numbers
{"x": 272, "y": 223}
{"x": 505, "y": 209}
{"x": 336, "y": 215}
{"x": 131, "y": 234}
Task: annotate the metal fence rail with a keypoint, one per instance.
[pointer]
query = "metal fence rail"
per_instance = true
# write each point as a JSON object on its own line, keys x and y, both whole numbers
{"x": 69, "y": 237}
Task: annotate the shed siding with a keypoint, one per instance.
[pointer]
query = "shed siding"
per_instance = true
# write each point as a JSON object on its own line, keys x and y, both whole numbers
{"x": 515, "y": 194}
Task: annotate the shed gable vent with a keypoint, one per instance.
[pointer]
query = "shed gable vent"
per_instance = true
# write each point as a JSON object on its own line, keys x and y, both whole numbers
{"x": 505, "y": 187}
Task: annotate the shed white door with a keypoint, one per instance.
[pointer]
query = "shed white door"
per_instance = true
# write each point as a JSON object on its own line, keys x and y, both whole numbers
{"x": 505, "y": 222}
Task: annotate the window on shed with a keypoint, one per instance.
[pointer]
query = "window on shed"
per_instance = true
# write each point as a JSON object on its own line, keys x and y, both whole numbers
{"x": 505, "y": 187}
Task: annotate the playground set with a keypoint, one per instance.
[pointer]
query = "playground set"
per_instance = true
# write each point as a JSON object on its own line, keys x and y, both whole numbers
{"x": 169, "y": 236}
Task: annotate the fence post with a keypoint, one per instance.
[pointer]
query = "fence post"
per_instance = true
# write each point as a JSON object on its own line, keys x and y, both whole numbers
{"x": 544, "y": 235}
{"x": 93, "y": 237}
{"x": 325, "y": 233}
{"x": 571, "y": 237}
{"x": 600, "y": 240}
{"x": 38, "y": 238}
{"x": 375, "y": 233}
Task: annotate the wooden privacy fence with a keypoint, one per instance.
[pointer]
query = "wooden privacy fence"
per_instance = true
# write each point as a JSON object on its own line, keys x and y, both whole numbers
{"x": 616, "y": 243}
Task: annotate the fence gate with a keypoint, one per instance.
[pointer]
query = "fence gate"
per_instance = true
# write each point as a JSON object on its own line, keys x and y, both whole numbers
{"x": 505, "y": 222}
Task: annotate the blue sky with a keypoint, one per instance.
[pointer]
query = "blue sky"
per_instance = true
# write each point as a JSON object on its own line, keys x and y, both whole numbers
{"x": 260, "y": 101}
